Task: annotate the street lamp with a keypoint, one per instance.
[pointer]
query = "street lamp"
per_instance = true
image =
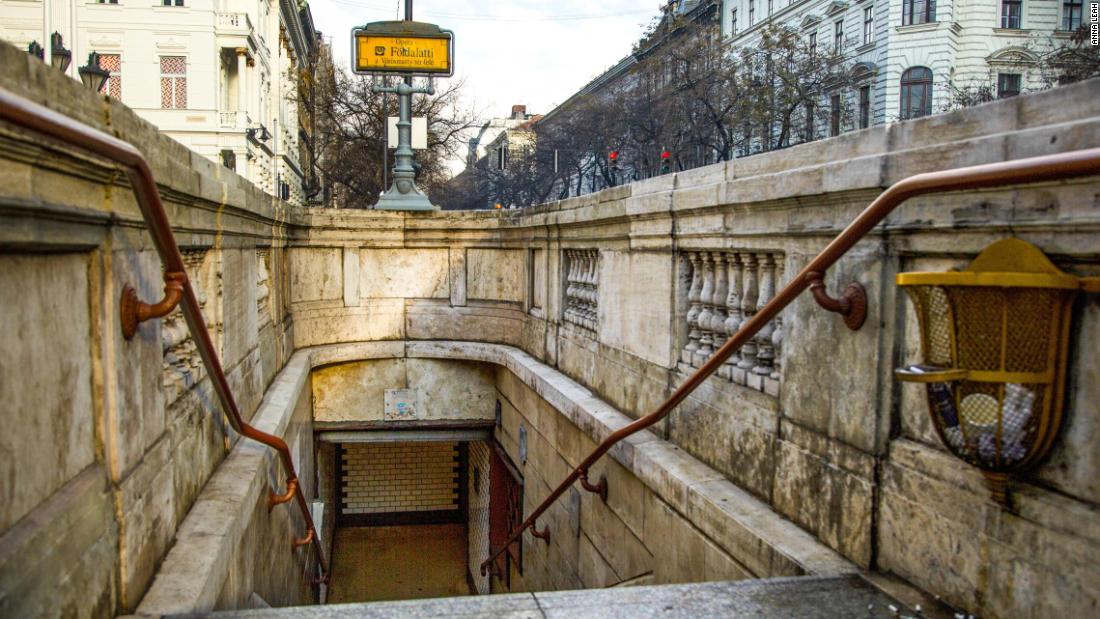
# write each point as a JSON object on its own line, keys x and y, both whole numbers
{"x": 34, "y": 49}
{"x": 93, "y": 76}
{"x": 59, "y": 56}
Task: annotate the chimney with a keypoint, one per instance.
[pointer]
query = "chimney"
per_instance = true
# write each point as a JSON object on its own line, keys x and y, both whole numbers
{"x": 519, "y": 112}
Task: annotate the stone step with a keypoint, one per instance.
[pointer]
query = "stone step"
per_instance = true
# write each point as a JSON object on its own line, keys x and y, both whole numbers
{"x": 806, "y": 597}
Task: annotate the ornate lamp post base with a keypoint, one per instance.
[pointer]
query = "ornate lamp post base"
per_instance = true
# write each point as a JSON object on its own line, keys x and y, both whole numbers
{"x": 410, "y": 200}
{"x": 403, "y": 194}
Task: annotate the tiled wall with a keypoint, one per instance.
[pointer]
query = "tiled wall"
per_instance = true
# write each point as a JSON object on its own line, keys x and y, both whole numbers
{"x": 383, "y": 478}
{"x": 478, "y": 518}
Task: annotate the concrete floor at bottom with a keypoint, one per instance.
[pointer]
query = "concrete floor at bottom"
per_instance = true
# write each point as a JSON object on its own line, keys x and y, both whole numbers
{"x": 373, "y": 564}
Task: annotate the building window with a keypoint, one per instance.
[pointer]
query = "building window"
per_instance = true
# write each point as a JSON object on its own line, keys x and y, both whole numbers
{"x": 1008, "y": 84}
{"x": 916, "y": 93}
{"x": 172, "y": 2}
{"x": 834, "y": 115}
{"x": 106, "y": 1}
{"x": 864, "y": 107}
{"x": 1011, "y": 11}
{"x": 917, "y": 12}
{"x": 868, "y": 25}
{"x": 838, "y": 36}
{"x": 502, "y": 158}
{"x": 112, "y": 63}
{"x": 813, "y": 44}
{"x": 752, "y": 12}
{"x": 770, "y": 3}
{"x": 733, "y": 21}
{"x": 173, "y": 82}
{"x": 1071, "y": 14}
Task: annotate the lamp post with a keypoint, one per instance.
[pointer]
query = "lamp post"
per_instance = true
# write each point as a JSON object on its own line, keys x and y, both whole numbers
{"x": 59, "y": 56}
{"x": 92, "y": 75}
{"x": 403, "y": 194}
{"x": 34, "y": 49}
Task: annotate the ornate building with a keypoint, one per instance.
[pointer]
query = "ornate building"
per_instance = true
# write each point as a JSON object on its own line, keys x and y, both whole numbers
{"x": 219, "y": 76}
{"x": 909, "y": 56}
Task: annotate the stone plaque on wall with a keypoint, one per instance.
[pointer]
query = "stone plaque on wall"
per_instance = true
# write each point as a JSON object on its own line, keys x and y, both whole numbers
{"x": 400, "y": 404}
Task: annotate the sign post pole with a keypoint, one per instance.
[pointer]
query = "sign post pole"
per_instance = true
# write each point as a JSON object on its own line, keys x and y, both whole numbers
{"x": 403, "y": 194}
{"x": 406, "y": 48}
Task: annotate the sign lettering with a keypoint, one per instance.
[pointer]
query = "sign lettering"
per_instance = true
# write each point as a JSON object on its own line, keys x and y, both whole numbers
{"x": 402, "y": 54}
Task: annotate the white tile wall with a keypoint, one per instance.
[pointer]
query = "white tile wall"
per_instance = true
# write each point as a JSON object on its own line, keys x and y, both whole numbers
{"x": 382, "y": 478}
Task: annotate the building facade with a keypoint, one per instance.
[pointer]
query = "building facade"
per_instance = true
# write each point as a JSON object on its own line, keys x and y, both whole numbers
{"x": 910, "y": 57}
{"x": 219, "y": 76}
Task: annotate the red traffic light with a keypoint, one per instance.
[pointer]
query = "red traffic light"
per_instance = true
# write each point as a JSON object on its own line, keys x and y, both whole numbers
{"x": 665, "y": 154}
{"x": 613, "y": 155}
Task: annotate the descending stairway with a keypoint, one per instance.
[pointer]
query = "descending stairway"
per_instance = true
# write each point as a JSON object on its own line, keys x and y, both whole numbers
{"x": 806, "y": 597}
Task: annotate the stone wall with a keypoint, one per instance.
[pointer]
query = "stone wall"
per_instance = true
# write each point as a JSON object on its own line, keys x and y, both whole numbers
{"x": 825, "y": 436}
{"x": 109, "y": 442}
{"x": 634, "y": 538}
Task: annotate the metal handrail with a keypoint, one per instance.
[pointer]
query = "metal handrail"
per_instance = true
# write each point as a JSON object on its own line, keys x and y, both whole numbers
{"x": 30, "y": 115}
{"x": 1035, "y": 169}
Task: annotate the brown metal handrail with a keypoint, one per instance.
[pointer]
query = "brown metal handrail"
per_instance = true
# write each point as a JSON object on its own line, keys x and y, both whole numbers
{"x": 35, "y": 117}
{"x": 1032, "y": 170}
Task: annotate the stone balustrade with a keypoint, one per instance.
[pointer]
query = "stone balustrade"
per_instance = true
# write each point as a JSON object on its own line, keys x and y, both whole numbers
{"x": 581, "y": 287}
{"x": 727, "y": 288}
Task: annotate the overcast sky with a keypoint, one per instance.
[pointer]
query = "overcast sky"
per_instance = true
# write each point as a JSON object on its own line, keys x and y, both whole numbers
{"x": 531, "y": 52}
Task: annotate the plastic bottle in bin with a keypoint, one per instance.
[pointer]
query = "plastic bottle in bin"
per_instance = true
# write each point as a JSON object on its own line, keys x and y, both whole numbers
{"x": 942, "y": 402}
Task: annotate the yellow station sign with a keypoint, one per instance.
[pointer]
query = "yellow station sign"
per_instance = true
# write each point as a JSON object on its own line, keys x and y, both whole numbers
{"x": 384, "y": 53}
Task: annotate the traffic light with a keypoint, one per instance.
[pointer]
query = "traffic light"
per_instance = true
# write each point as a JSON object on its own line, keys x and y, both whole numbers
{"x": 665, "y": 167}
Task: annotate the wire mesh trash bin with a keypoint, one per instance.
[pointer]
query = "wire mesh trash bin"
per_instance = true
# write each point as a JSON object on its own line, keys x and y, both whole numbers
{"x": 994, "y": 340}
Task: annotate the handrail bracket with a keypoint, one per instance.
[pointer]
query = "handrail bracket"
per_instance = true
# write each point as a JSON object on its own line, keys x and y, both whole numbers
{"x": 133, "y": 311}
{"x": 852, "y": 305}
{"x": 273, "y": 498}
{"x": 308, "y": 539}
{"x": 600, "y": 487}
{"x": 544, "y": 534}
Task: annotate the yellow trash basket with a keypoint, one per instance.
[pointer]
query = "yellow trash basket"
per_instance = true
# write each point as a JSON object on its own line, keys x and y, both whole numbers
{"x": 994, "y": 340}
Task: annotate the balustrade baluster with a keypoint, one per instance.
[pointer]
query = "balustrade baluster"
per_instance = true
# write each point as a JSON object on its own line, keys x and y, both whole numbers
{"x": 765, "y": 352}
{"x": 593, "y": 293}
{"x": 718, "y": 300}
{"x": 733, "y": 310}
{"x": 748, "y": 308}
{"x": 570, "y": 285}
{"x": 693, "y": 313}
{"x": 777, "y": 336}
{"x": 706, "y": 337}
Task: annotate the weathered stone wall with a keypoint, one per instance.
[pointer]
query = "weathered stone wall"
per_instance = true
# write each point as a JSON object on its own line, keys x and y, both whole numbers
{"x": 635, "y": 538}
{"x": 354, "y": 392}
{"x": 108, "y": 442}
{"x": 836, "y": 446}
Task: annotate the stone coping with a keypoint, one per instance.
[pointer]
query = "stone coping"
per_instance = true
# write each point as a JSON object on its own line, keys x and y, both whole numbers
{"x": 804, "y": 597}
{"x": 193, "y": 572}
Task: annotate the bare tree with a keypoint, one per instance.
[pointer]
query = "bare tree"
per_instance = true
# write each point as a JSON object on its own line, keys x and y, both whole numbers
{"x": 791, "y": 80}
{"x": 351, "y": 150}
{"x": 1072, "y": 61}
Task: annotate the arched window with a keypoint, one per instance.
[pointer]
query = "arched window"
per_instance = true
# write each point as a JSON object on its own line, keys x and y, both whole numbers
{"x": 916, "y": 93}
